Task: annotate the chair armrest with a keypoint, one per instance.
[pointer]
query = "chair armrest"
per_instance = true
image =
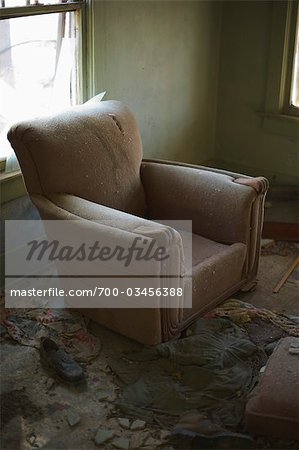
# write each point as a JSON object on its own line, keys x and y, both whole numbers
{"x": 114, "y": 218}
{"x": 115, "y": 227}
{"x": 220, "y": 205}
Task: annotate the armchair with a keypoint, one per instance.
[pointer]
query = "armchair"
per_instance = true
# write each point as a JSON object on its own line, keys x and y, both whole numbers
{"x": 87, "y": 163}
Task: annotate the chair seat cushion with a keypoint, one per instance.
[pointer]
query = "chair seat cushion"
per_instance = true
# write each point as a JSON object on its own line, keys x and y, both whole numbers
{"x": 203, "y": 249}
{"x": 210, "y": 277}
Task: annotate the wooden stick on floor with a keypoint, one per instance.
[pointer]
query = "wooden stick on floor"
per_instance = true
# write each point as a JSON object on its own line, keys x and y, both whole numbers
{"x": 286, "y": 276}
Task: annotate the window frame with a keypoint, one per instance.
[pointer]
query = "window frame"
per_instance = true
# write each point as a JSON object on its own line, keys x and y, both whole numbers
{"x": 280, "y": 117}
{"x": 9, "y": 12}
{"x": 294, "y": 32}
{"x": 36, "y": 10}
{"x": 77, "y": 6}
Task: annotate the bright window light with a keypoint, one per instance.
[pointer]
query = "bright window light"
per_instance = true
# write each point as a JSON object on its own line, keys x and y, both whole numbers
{"x": 38, "y": 67}
{"x": 295, "y": 78}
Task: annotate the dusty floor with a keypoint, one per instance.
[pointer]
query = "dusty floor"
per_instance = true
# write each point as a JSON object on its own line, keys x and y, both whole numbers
{"x": 275, "y": 261}
{"x": 37, "y": 412}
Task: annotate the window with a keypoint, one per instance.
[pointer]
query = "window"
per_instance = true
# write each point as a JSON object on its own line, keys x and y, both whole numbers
{"x": 294, "y": 95}
{"x": 282, "y": 99}
{"x": 291, "y": 92}
{"x": 39, "y": 60}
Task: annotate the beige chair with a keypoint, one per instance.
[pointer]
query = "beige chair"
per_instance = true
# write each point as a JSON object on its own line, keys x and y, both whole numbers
{"x": 87, "y": 163}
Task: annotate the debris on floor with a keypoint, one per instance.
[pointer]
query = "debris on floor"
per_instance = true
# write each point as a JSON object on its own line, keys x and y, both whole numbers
{"x": 103, "y": 436}
{"x": 282, "y": 248}
{"x": 187, "y": 393}
{"x": 265, "y": 243}
{"x": 208, "y": 434}
{"x": 73, "y": 418}
{"x": 241, "y": 313}
{"x": 286, "y": 275}
{"x": 212, "y": 370}
{"x": 67, "y": 328}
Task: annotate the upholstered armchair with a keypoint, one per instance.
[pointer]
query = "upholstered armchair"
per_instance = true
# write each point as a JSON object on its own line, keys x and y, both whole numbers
{"x": 87, "y": 163}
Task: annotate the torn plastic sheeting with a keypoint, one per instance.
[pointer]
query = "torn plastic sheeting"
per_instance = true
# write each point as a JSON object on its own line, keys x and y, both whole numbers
{"x": 201, "y": 430}
{"x": 209, "y": 371}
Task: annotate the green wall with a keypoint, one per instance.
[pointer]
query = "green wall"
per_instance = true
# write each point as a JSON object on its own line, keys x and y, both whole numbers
{"x": 241, "y": 141}
{"x": 161, "y": 59}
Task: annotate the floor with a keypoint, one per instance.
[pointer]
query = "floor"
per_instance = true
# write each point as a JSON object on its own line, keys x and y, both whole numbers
{"x": 275, "y": 261}
{"x": 38, "y": 412}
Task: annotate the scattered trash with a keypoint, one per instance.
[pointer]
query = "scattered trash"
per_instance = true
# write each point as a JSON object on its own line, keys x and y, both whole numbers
{"x": 210, "y": 370}
{"x": 229, "y": 442}
{"x": 124, "y": 423}
{"x": 213, "y": 369}
{"x": 286, "y": 275}
{"x": 31, "y": 438}
{"x": 138, "y": 425}
{"x": 103, "y": 436}
{"x": 164, "y": 435}
{"x": 241, "y": 313}
{"x": 68, "y": 329}
{"x": 101, "y": 396}
{"x": 138, "y": 439}
{"x": 281, "y": 248}
{"x": 265, "y": 243}
{"x": 263, "y": 333}
{"x": 200, "y": 431}
{"x": 56, "y": 406}
{"x": 152, "y": 442}
{"x": 25, "y": 331}
{"x": 121, "y": 443}
{"x": 49, "y": 383}
{"x": 73, "y": 418}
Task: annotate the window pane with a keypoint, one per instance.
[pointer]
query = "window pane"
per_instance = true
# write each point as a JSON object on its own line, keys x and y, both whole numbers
{"x": 295, "y": 78}
{"x": 38, "y": 68}
{"x": 14, "y": 3}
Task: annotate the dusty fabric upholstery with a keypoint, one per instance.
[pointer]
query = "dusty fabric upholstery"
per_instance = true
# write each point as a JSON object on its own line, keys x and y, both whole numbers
{"x": 84, "y": 152}
{"x": 272, "y": 409}
{"x": 86, "y": 163}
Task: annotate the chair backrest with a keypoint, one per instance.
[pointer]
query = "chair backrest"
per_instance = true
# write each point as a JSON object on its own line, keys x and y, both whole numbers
{"x": 93, "y": 151}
